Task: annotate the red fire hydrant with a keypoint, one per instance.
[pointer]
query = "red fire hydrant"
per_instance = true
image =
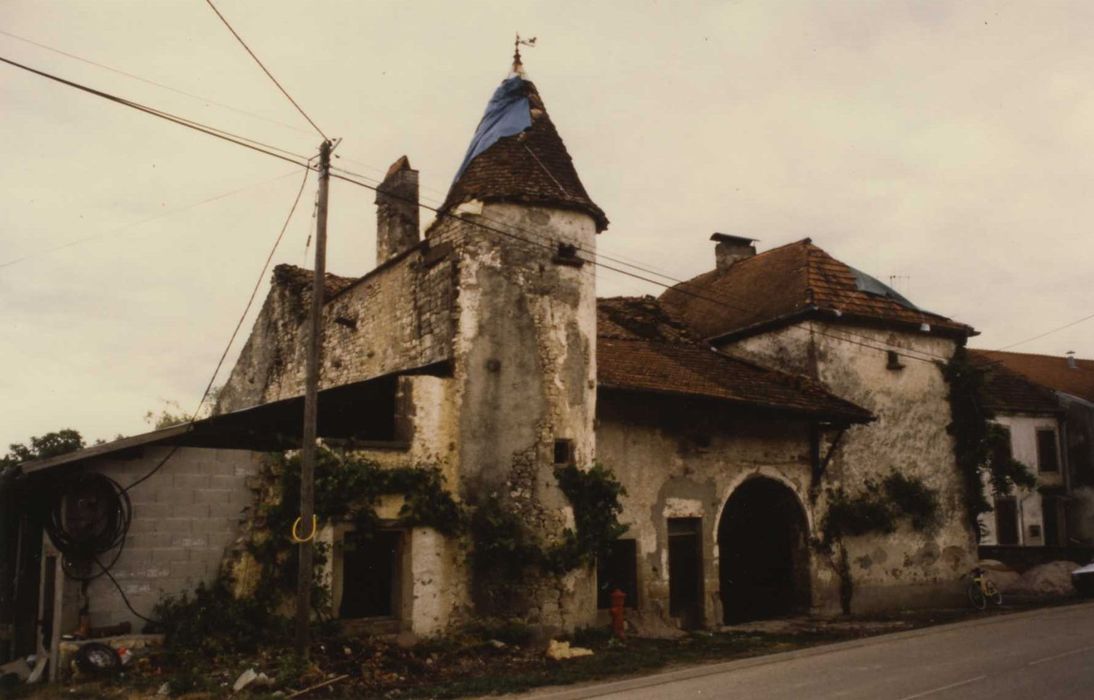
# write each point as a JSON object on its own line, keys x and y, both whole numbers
{"x": 618, "y": 599}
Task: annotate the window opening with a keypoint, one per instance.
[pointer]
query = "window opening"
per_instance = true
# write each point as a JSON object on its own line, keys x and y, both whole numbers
{"x": 1047, "y": 458}
{"x": 894, "y": 361}
{"x": 370, "y": 574}
{"x": 564, "y": 451}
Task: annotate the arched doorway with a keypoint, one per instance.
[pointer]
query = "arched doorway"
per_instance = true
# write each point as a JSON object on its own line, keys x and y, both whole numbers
{"x": 763, "y": 552}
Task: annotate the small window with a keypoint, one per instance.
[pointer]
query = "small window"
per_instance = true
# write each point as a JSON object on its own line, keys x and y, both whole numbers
{"x": 564, "y": 451}
{"x": 618, "y": 568}
{"x": 894, "y": 361}
{"x": 1047, "y": 458}
{"x": 1004, "y": 450}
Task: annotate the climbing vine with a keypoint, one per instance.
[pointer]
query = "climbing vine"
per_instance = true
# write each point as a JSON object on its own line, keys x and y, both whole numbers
{"x": 347, "y": 489}
{"x": 877, "y": 509}
{"x": 504, "y": 543}
{"x": 980, "y": 446}
{"x": 880, "y": 507}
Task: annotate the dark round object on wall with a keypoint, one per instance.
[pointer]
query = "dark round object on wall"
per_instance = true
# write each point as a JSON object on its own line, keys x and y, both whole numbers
{"x": 97, "y": 659}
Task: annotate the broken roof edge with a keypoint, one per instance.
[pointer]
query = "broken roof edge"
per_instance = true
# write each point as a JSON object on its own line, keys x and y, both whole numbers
{"x": 174, "y": 435}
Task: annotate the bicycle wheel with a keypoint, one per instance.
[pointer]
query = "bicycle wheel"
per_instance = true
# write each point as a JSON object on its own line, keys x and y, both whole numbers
{"x": 976, "y": 596}
{"x": 994, "y": 595}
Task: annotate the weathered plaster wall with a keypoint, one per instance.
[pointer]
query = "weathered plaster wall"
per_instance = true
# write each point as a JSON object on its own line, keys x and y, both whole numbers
{"x": 524, "y": 368}
{"x": 1023, "y": 444}
{"x": 906, "y": 568}
{"x": 681, "y": 458}
{"x": 398, "y": 317}
{"x": 184, "y": 518}
{"x": 436, "y": 572}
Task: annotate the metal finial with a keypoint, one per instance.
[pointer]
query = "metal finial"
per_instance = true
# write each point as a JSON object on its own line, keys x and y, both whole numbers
{"x": 517, "y": 43}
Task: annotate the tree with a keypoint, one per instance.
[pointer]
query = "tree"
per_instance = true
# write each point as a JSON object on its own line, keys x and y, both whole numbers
{"x": 49, "y": 445}
{"x": 172, "y": 413}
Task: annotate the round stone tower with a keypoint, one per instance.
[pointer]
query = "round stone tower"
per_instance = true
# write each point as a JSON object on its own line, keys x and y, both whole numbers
{"x": 523, "y": 232}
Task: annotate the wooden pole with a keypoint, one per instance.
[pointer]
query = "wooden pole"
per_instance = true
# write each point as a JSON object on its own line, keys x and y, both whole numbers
{"x": 311, "y": 413}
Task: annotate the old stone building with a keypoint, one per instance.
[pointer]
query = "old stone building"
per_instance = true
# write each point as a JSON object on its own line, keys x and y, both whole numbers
{"x": 799, "y": 309}
{"x": 728, "y": 409}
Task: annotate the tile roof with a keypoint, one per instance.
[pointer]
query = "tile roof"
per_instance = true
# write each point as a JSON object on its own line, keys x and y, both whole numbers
{"x": 532, "y": 167}
{"x": 797, "y": 278}
{"x": 640, "y": 348}
{"x": 1048, "y": 370}
{"x": 1008, "y": 391}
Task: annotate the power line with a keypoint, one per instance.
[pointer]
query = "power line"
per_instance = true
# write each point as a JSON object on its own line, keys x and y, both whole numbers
{"x": 181, "y": 121}
{"x": 265, "y": 70}
{"x": 235, "y": 332}
{"x": 264, "y": 148}
{"x": 124, "y": 227}
{"x": 152, "y": 82}
{"x": 1042, "y": 335}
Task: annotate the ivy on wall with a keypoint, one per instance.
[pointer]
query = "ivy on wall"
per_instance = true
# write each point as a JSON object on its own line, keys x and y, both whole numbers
{"x": 504, "y": 543}
{"x": 981, "y": 447}
{"x": 347, "y": 489}
{"x": 880, "y": 507}
{"x": 877, "y": 509}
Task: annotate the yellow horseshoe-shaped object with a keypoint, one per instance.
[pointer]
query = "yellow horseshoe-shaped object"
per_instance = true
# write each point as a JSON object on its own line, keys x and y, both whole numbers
{"x": 311, "y": 535}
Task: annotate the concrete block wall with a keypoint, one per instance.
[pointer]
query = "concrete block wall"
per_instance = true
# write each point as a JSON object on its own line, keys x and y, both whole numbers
{"x": 184, "y": 517}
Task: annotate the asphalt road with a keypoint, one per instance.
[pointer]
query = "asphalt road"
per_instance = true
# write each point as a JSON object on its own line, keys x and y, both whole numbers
{"x": 1041, "y": 654}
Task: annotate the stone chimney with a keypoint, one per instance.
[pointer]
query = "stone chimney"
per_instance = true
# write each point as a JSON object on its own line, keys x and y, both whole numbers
{"x": 730, "y": 249}
{"x": 1071, "y": 363}
{"x": 396, "y": 211}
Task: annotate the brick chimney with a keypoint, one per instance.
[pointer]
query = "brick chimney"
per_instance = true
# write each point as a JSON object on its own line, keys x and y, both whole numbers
{"x": 730, "y": 249}
{"x": 396, "y": 211}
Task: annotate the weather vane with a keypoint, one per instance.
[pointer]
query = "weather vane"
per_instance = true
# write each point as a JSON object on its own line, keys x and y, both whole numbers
{"x": 531, "y": 43}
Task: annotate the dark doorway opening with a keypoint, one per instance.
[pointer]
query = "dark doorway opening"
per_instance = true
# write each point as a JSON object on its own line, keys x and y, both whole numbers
{"x": 617, "y": 569}
{"x": 686, "y": 570}
{"x": 370, "y": 574}
{"x": 763, "y": 553}
{"x": 1052, "y": 513}
{"x": 1006, "y": 520}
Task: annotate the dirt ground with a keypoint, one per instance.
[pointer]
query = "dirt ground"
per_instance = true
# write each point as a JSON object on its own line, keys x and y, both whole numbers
{"x": 479, "y": 662}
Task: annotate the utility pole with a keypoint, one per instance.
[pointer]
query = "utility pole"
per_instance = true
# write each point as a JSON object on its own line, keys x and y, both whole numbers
{"x": 311, "y": 413}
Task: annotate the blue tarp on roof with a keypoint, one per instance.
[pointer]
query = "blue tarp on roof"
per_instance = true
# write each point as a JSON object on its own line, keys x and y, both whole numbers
{"x": 870, "y": 285}
{"x": 507, "y": 114}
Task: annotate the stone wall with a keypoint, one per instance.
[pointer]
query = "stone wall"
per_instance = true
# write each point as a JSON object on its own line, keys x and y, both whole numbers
{"x": 396, "y": 318}
{"x": 907, "y": 568}
{"x": 524, "y": 371}
{"x": 682, "y": 458}
{"x": 185, "y": 516}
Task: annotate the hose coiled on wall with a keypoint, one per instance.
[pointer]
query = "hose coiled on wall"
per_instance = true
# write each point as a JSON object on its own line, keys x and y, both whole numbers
{"x": 88, "y": 516}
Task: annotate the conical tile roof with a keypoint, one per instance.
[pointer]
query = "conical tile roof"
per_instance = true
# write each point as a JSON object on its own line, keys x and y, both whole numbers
{"x": 530, "y": 167}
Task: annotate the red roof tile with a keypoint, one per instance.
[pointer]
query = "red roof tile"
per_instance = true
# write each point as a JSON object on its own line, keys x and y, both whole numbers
{"x": 640, "y": 348}
{"x": 1048, "y": 371}
{"x": 1008, "y": 391}
{"x": 797, "y": 278}
{"x": 532, "y": 167}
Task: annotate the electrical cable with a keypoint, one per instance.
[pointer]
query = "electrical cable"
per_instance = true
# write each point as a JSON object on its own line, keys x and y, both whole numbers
{"x": 177, "y": 91}
{"x": 111, "y": 232}
{"x": 111, "y": 520}
{"x": 255, "y": 146}
{"x": 265, "y": 70}
{"x": 1042, "y": 335}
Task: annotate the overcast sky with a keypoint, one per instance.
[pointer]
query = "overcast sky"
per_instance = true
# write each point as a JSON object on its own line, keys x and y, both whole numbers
{"x": 946, "y": 144}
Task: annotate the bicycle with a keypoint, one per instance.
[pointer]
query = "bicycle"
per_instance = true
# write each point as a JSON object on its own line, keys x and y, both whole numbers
{"x": 982, "y": 590}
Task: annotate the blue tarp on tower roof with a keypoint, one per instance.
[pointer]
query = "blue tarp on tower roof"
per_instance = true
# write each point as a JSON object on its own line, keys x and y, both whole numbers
{"x": 507, "y": 114}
